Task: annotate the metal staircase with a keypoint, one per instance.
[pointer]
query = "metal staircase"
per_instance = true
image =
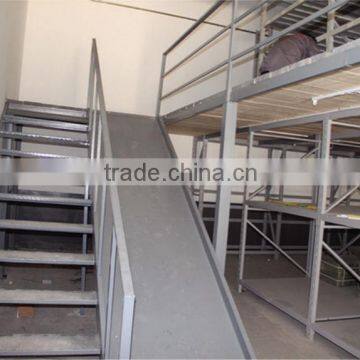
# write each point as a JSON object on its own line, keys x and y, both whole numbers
{"x": 177, "y": 314}
{"x": 17, "y": 117}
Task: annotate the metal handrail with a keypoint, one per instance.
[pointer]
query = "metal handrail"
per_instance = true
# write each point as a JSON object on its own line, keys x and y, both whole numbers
{"x": 100, "y": 137}
{"x": 195, "y": 26}
{"x": 259, "y": 45}
{"x": 264, "y": 43}
{"x": 214, "y": 37}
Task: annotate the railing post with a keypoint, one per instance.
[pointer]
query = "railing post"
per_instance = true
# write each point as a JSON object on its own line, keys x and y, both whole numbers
{"x": 203, "y": 155}
{"x": 161, "y": 86}
{"x": 101, "y": 229}
{"x": 97, "y": 155}
{"x": 110, "y": 297}
{"x": 91, "y": 89}
{"x": 127, "y": 326}
{"x": 90, "y": 105}
{"x": 262, "y": 34}
{"x": 94, "y": 125}
{"x": 330, "y": 28}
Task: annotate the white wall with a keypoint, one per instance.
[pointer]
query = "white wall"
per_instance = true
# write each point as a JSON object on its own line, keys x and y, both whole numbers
{"x": 130, "y": 42}
{"x": 12, "y": 27}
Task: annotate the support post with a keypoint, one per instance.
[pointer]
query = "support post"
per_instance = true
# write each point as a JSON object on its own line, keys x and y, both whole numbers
{"x": 263, "y": 20}
{"x": 227, "y": 150}
{"x": 319, "y": 230}
{"x": 279, "y": 215}
{"x": 161, "y": 86}
{"x": 267, "y": 197}
{"x": 314, "y": 200}
{"x": 203, "y": 156}
{"x": 195, "y": 157}
{"x": 244, "y": 219}
{"x": 330, "y": 28}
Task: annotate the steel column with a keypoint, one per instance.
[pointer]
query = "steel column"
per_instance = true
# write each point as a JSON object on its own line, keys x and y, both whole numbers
{"x": 319, "y": 231}
{"x": 203, "y": 156}
{"x": 244, "y": 220}
{"x": 330, "y": 28}
{"x": 262, "y": 35}
{"x": 279, "y": 215}
{"x": 314, "y": 197}
{"x": 195, "y": 147}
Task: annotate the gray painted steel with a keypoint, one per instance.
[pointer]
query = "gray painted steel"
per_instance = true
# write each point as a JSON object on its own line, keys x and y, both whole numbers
{"x": 181, "y": 310}
{"x": 47, "y": 124}
{"x": 42, "y": 139}
{"x": 51, "y": 345}
{"x": 27, "y": 154}
{"x": 56, "y": 112}
{"x": 45, "y": 226}
{"x": 47, "y": 108}
{"x": 54, "y": 200}
{"x": 41, "y": 257}
{"x": 48, "y": 297}
{"x": 345, "y": 55}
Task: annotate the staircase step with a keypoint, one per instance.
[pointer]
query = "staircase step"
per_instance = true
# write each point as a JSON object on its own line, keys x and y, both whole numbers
{"x": 48, "y": 345}
{"x": 53, "y": 140}
{"x": 47, "y": 297}
{"x": 27, "y": 154}
{"x": 41, "y": 257}
{"x": 48, "y": 111}
{"x": 53, "y": 200}
{"x": 46, "y": 226}
{"x": 46, "y": 124}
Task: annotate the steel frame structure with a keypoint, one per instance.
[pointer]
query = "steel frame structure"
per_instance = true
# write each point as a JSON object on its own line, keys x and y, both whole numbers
{"x": 321, "y": 218}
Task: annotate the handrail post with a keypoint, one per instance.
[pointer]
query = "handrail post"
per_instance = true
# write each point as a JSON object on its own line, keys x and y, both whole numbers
{"x": 161, "y": 86}
{"x": 330, "y": 26}
{"x": 91, "y": 89}
{"x": 262, "y": 35}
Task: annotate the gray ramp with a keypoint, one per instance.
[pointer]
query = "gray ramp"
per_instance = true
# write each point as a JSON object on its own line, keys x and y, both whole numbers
{"x": 183, "y": 308}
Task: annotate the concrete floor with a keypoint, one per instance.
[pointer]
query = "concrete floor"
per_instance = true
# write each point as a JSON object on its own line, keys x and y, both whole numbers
{"x": 273, "y": 334}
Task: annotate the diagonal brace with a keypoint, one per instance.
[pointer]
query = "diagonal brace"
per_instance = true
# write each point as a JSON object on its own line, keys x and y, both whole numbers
{"x": 342, "y": 198}
{"x": 278, "y": 248}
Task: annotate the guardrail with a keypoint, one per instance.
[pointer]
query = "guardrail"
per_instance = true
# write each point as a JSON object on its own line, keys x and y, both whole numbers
{"x": 227, "y": 63}
{"x": 115, "y": 286}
